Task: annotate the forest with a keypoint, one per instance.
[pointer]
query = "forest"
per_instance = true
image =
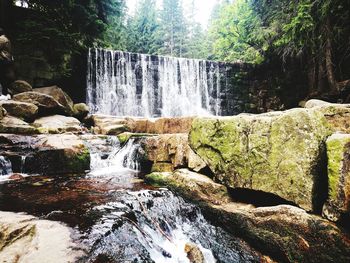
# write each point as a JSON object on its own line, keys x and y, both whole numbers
{"x": 311, "y": 35}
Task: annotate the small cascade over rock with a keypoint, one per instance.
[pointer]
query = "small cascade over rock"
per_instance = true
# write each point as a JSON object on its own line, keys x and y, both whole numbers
{"x": 5, "y": 166}
{"x": 158, "y": 226}
{"x": 129, "y": 84}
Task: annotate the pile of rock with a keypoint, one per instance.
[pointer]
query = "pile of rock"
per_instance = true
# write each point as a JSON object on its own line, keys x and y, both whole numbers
{"x": 40, "y": 110}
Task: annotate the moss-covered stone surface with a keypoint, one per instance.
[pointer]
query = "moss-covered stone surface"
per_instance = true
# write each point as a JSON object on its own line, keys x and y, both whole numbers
{"x": 280, "y": 152}
{"x": 338, "y": 153}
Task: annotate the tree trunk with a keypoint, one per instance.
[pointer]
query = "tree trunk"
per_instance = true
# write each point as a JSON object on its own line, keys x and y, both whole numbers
{"x": 312, "y": 75}
{"x": 321, "y": 76}
{"x": 329, "y": 64}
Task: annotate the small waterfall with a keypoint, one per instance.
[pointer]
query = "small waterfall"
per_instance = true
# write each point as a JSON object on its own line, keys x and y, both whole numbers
{"x": 157, "y": 226}
{"x": 5, "y": 166}
{"x": 115, "y": 159}
{"x": 23, "y": 163}
{"x": 127, "y": 84}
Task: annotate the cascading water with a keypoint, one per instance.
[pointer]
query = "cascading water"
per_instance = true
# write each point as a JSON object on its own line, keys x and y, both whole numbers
{"x": 128, "y": 84}
{"x": 149, "y": 225}
{"x": 5, "y": 166}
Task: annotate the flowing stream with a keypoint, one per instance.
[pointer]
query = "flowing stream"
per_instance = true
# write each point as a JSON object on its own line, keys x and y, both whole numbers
{"x": 115, "y": 217}
{"x": 151, "y": 225}
{"x": 128, "y": 84}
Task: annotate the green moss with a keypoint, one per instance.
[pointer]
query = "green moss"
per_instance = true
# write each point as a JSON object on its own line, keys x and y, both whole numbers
{"x": 274, "y": 152}
{"x": 125, "y": 136}
{"x": 335, "y": 152}
{"x": 80, "y": 162}
{"x": 158, "y": 179}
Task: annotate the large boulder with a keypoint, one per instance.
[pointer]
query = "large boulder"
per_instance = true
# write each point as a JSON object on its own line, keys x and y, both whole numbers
{"x": 46, "y": 103}
{"x": 22, "y": 110}
{"x": 195, "y": 186}
{"x": 58, "y": 124}
{"x": 59, "y": 95}
{"x": 285, "y": 233}
{"x": 25, "y": 238}
{"x": 171, "y": 151}
{"x": 19, "y": 86}
{"x": 338, "y": 153}
{"x": 14, "y": 125}
{"x": 58, "y": 154}
{"x": 280, "y": 152}
{"x": 337, "y": 114}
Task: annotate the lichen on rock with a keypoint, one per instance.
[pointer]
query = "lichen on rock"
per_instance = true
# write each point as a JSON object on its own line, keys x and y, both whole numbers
{"x": 338, "y": 153}
{"x": 278, "y": 152}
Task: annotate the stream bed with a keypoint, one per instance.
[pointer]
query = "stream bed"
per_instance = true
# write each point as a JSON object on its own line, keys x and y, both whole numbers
{"x": 116, "y": 217}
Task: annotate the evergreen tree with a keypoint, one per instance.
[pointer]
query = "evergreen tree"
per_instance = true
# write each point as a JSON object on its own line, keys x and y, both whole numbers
{"x": 173, "y": 31}
{"x": 142, "y": 29}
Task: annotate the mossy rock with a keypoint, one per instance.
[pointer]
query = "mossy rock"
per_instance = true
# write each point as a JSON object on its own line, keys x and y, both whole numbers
{"x": 279, "y": 152}
{"x": 338, "y": 153}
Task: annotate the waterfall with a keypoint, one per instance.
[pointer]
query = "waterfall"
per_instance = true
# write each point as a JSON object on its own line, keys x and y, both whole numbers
{"x": 128, "y": 84}
{"x": 117, "y": 160}
{"x": 5, "y": 166}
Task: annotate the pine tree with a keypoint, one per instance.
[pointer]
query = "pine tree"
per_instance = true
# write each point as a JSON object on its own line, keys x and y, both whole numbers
{"x": 142, "y": 28}
{"x": 173, "y": 31}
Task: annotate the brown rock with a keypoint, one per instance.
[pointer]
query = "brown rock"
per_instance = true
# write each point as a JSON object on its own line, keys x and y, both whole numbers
{"x": 16, "y": 177}
{"x": 194, "y": 254}
{"x": 14, "y": 125}
{"x": 21, "y": 110}
{"x": 60, "y": 96}
{"x": 58, "y": 124}
{"x": 195, "y": 186}
{"x": 20, "y": 86}
{"x": 47, "y": 104}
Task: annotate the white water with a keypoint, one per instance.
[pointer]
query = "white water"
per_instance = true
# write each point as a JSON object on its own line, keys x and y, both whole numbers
{"x": 5, "y": 166}
{"x": 127, "y": 84}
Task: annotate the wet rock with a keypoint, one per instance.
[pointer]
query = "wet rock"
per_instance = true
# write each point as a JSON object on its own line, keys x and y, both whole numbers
{"x": 3, "y": 112}
{"x": 174, "y": 149}
{"x": 58, "y": 154}
{"x": 14, "y": 125}
{"x": 19, "y": 86}
{"x": 285, "y": 233}
{"x": 338, "y": 153}
{"x": 25, "y": 238}
{"x": 80, "y": 110}
{"x": 194, "y": 254}
{"x": 58, "y": 124}
{"x": 16, "y": 177}
{"x": 47, "y": 104}
{"x": 21, "y": 110}
{"x": 60, "y": 96}
{"x": 195, "y": 186}
{"x": 125, "y": 136}
{"x": 278, "y": 152}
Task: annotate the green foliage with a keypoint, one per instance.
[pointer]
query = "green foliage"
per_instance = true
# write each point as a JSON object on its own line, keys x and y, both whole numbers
{"x": 64, "y": 28}
{"x": 173, "y": 30}
{"x": 143, "y": 29}
{"x": 236, "y": 33}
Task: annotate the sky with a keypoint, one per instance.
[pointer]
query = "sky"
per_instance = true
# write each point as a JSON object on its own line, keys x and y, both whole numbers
{"x": 204, "y": 8}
